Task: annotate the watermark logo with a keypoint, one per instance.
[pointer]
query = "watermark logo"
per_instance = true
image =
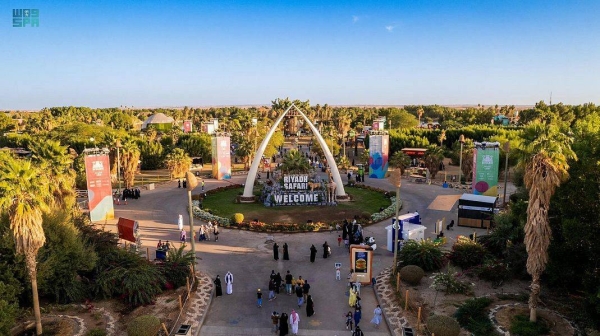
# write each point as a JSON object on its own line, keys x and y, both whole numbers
{"x": 26, "y": 18}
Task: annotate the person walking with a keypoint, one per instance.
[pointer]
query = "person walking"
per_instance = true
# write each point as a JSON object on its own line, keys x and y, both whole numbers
{"x": 310, "y": 306}
{"x": 288, "y": 283}
{"x": 180, "y": 222}
{"x": 376, "y": 320}
{"x": 182, "y": 236}
{"x": 325, "y": 250}
{"x": 305, "y": 289}
{"x": 283, "y": 324}
{"x": 339, "y": 240}
{"x": 275, "y": 251}
{"x": 357, "y": 317}
{"x": 300, "y": 295}
{"x": 286, "y": 254}
{"x": 272, "y": 290}
{"x": 349, "y": 320}
{"x": 202, "y": 185}
{"x": 352, "y": 297}
{"x": 218, "y": 289}
{"x": 313, "y": 253}
{"x": 294, "y": 320}
{"x": 259, "y": 298}
{"x": 209, "y": 228}
{"x": 278, "y": 280}
{"x": 229, "y": 282}
{"x": 275, "y": 321}
{"x": 358, "y": 332}
{"x": 216, "y": 232}
{"x": 179, "y": 184}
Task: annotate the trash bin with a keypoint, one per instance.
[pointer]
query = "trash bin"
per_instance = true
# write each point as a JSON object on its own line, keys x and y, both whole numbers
{"x": 150, "y": 186}
{"x": 185, "y": 330}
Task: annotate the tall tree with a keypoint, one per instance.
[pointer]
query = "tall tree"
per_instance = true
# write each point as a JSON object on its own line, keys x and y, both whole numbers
{"x": 544, "y": 155}
{"x": 178, "y": 162}
{"x": 295, "y": 163}
{"x": 400, "y": 160}
{"x": 24, "y": 195}
{"x": 433, "y": 157}
{"x": 130, "y": 157}
{"x": 57, "y": 164}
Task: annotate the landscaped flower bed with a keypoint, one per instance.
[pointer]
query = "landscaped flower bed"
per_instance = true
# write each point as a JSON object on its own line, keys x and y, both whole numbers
{"x": 287, "y": 227}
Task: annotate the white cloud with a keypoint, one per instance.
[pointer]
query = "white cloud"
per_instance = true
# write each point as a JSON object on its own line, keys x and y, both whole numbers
{"x": 355, "y": 18}
{"x": 390, "y": 28}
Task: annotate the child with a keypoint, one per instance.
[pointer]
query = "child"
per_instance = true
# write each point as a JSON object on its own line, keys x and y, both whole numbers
{"x": 337, "y": 274}
{"x": 182, "y": 236}
{"x": 259, "y": 298}
{"x": 349, "y": 320}
{"x": 339, "y": 240}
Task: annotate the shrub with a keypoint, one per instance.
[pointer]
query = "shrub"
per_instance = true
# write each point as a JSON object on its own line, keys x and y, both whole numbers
{"x": 424, "y": 254}
{"x": 145, "y": 325}
{"x": 448, "y": 282}
{"x": 96, "y": 332}
{"x": 412, "y": 274}
{"x": 467, "y": 253}
{"x": 494, "y": 271}
{"x": 441, "y": 325}
{"x": 176, "y": 267}
{"x": 237, "y": 218}
{"x": 520, "y": 325}
{"x": 472, "y": 315}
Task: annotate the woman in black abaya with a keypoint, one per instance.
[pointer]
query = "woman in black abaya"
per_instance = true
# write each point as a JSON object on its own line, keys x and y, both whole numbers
{"x": 218, "y": 288}
{"x": 313, "y": 253}
{"x": 310, "y": 306}
{"x": 283, "y": 324}
{"x": 286, "y": 254}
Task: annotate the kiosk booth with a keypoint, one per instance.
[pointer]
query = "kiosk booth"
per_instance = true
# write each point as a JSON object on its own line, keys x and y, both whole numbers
{"x": 476, "y": 210}
{"x": 410, "y": 228}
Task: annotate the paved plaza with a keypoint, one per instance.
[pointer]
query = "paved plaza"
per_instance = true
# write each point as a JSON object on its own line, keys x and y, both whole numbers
{"x": 249, "y": 257}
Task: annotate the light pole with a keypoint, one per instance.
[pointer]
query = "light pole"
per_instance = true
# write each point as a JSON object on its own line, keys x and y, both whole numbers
{"x": 396, "y": 179}
{"x": 192, "y": 183}
{"x": 118, "y": 166}
{"x": 461, "y": 139}
{"x": 507, "y": 150}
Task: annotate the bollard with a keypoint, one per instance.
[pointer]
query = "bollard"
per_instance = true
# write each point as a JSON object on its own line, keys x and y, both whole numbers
{"x": 419, "y": 320}
{"x": 165, "y": 328}
{"x": 406, "y": 301}
{"x": 187, "y": 285}
{"x": 398, "y": 282}
{"x": 180, "y": 303}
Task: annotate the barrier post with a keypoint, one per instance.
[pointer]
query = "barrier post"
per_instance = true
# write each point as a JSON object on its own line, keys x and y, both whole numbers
{"x": 406, "y": 301}
{"x": 180, "y": 303}
{"x": 165, "y": 328}
{"x": 398, "y": 282}
{"x": 419, "y": 320}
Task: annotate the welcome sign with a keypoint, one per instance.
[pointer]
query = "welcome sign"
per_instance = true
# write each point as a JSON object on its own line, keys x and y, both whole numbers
{"x": 295, "y": 182}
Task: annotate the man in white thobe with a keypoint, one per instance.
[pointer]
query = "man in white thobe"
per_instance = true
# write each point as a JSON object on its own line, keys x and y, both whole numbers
{"x": 180, "y": 222}
{"x": 229, "y": 282}
{"x": 294, "y": 320}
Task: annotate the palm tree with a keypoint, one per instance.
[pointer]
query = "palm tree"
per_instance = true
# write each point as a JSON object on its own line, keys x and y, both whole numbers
{"x": 433, "y": 157}
{"x": 57, "y": 164}
{"x": 400, "y": 160}
{"x": 544, "y": 155}
{"x": 130, "y": 157}
{"x": 420, "y": 114}
{"x": 24, "y": 196}
{"x": 295, "y": 163}
{"x": 442, "y": 137}
{"x": 178, "y": 162}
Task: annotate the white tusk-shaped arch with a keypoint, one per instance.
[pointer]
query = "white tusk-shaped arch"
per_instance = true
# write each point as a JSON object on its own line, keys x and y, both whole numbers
{"x": 258, "y": 156}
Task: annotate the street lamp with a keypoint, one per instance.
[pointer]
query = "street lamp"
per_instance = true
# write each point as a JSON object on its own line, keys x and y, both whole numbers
{"x": 192, "y": 183}
{"x": 461, "y": 139}
{"x": 507, "y": 150}
{"x": 396, "y": 179}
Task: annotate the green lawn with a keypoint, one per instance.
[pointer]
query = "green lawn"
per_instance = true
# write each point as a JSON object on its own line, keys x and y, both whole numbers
{"x": 364, "y": 201}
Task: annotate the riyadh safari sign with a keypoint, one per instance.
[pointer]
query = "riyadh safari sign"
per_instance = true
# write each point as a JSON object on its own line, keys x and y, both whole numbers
{"x": 296, "y": 191}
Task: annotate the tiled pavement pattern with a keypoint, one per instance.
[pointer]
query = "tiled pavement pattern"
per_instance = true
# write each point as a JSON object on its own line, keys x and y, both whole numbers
{"x": 392, "y": 312}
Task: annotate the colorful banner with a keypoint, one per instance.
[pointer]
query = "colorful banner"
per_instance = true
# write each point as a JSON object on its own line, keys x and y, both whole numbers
{"x": 221, "y": 157}
{"x": 378, "y": 155}
{"x": 485, "y": 171}
{"x": 100, "y": 200}
{"x": 187, "y": 126}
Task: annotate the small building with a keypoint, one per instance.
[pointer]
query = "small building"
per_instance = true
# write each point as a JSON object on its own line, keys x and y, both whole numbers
{"x": 476, "y": 211}
{"x": 159, "y": 121}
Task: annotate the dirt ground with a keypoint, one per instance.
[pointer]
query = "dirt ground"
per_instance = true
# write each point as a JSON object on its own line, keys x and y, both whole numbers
{"x": 558, "y": 325}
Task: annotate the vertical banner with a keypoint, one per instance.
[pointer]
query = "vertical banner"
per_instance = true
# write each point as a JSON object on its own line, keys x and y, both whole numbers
{"x": 221, "y": 157}
{"x": 485, "y": 170}
{"x": 378, "y": 155}
{"x": 100, "y": 201}
{"x": 187, "y": 126}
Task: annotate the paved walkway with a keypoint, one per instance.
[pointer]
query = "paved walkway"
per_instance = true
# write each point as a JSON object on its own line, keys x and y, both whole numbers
{"x": 248, "y": 256}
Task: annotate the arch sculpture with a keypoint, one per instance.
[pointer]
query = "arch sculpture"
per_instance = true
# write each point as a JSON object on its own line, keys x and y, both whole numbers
{"x": 339, "y": 191}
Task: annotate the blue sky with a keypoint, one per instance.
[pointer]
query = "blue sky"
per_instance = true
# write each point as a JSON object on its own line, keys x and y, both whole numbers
{"x": 200, "y": 53}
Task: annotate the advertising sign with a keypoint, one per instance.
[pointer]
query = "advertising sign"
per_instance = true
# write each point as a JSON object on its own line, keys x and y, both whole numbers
{"x": 187, "y": 126}
{"x": 378, "y": 155}
{"x": 221, "y": 157}
{"x": 100, "y": 201}
{"x": 485, "y": 169}
{"x": 361, "y": 260}
{"x": 128, "y": 229}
